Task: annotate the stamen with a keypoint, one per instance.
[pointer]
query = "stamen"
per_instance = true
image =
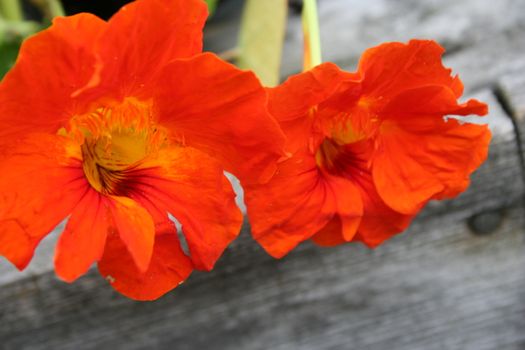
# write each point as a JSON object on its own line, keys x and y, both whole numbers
{"x": 343, "y": 160}
{"x": 115, "y": 140}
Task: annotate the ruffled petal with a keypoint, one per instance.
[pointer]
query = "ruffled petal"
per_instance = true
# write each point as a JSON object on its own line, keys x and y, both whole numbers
{"x": 423, "y": 156}
{"x": 404, "y": 184}
{"x": 300, "y": 93}
{"x": 191, "y": 186}
{"x": 40, "y": 185}
{"x": 349, "y": 205}
{"x": 301, "y": 199}
{"x": 379, "y": 221}
{"x": 82, "y": 242}
{"x": 407, "y": 107}
{"x": 136, "y": 229}
{"x": 393, "y": 67}
{"x": 147, "y": 34}
{"x": 298, "y": 202}
{"x": 290, "y": 208}
{"x": 168, "y": 268}
{"x": 217, "y": 108}
{"x": 38, "y": 94}
{"x": 426, "y": 166}
{"x": 330, "y": 235}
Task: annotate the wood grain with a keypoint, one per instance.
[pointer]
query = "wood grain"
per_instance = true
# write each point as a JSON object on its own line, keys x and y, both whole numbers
{"x": 454, "y": 281}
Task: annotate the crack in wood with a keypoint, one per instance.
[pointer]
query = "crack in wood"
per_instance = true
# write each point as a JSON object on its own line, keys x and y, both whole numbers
{"x": 506, "y": 104}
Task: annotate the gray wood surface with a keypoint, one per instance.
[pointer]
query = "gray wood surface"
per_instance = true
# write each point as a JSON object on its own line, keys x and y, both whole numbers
{"x": 455, "y": 280}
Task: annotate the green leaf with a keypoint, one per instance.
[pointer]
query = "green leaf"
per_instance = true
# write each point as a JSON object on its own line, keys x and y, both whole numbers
{"x": 212, "y": 5}
{"x": 263, "y": 28}
{"x": 8, "y": 54}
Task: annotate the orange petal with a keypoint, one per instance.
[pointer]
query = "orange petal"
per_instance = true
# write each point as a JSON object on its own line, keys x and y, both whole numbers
{"x": 36, "y": 95}
{"x": 393, "y": 67}
{"x": 330, "y": 235}
{"x": 217, "y": 108}
{"x": 379, "y": 221}
{"x": 136, "y": 229}
{"x": 300, "y": 199}
{"x": 192, "y": 187}
{"x": 168, "y": 268}
{"x": 39, "y": 187}
{"x": 298, "y": 202}
{"x": 338, "y": 231}
{"x": 299, "y": 93}
{"x": 404, "y": 183}
{"x": 290, "y": 208}
{"x": 145, "y": 35}
{"x": 421, "y": 155}
{"x": 348, "y": 203}
{"x": 406, "y": 107}
{"x": 82, "y": 242}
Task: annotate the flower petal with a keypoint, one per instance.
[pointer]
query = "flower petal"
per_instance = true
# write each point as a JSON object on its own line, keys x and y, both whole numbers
{"x": 403, "y": 183}
{"x": 290, "y": 208}
{"x": 39, "y": 187}
{"x": 379, "y": 221}
{"x": 299, "y": 93}
{"x": 393, "y": 67}
{"x": 217, "y": 108}
{"x": 298, "y": 202}
{"x": 330, "y": 235}
{"x": 301, "y": 199}
{"x": 82, "y": 242}
{"x": 439, "y": 167}
{"x": 145, "y": 35}
{"x": 349, "y": 205}
{"x": 168, "y": 268}
{"x": 136, "y": 229}
{"x": 191, "y": 186}
{"x": 37, "y": 94}
{"x": 423, "y": 156}
{"x": 406, "y": 107}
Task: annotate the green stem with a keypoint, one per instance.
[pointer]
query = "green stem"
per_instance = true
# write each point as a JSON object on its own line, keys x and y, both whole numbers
{"x": 55, "y": 8}
{"x": 312, "y": 38}
{"x": 16, "y": 30}
{"x": 11, "y": 10}
{"x": 49, "y": 8}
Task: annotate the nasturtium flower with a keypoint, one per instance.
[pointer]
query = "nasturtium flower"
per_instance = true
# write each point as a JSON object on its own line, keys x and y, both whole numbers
{"x": 367, "y": 150}
{"x": 116, "y": 126}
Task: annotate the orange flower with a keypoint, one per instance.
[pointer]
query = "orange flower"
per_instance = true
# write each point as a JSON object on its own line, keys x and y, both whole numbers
{"x": 368, "y": 149}
{"x": 117, "y": 124}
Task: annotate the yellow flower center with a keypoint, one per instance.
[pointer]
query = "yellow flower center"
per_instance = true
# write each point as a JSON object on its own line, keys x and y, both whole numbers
{"x": 114, "y": 141}
{"x": 348, "y": 138}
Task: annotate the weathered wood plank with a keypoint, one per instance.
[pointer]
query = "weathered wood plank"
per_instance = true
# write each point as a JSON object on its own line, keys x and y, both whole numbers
{"x": 432, "y": 280}
{"x": 348, "y": 27}
{"x": 512, "y": 87}
{"x": 438, "y": 286}
{"x": 491, "y": 32}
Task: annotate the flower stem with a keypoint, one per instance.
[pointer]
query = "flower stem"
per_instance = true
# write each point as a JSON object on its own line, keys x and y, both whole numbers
{"x": 11, "y": 10}
{"x": 49, "y": 8}
{"x": 16, "y": 30}
{"x": 312, "y": 39}
{"x": 55, "y": 8}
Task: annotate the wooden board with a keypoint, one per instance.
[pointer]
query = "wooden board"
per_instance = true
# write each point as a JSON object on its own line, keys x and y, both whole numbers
{"x": 455, "y": 280}
{"x": 436, "y": 287}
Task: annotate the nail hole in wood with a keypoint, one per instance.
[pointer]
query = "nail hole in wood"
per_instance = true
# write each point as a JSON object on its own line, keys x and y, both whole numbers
{"x": 485, "y": 223}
